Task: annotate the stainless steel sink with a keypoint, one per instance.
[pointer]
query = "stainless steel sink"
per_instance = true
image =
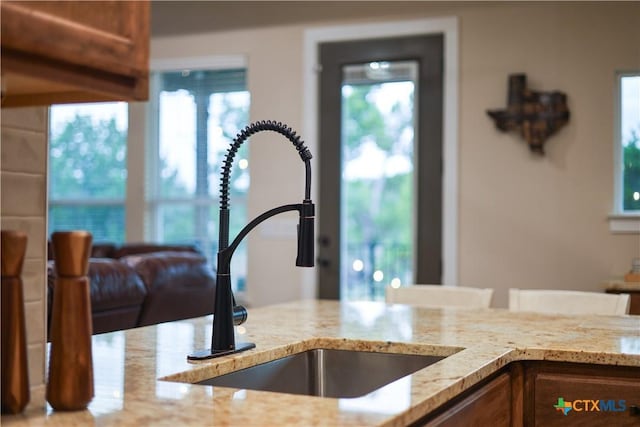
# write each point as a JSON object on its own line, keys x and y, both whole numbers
{"x": 326, "y": 373}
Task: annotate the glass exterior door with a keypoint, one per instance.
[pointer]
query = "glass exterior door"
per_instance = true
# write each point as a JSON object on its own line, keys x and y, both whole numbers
{"x": 380, "y": 162}
{"x": 377, "y": 182}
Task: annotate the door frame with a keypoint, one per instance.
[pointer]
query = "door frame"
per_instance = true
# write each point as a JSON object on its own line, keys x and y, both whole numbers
{"x": 448, "y": 27}
{"x": 426, "y": 51}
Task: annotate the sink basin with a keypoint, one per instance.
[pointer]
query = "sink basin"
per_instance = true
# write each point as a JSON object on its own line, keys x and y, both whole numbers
{"x": 326, "y": 372}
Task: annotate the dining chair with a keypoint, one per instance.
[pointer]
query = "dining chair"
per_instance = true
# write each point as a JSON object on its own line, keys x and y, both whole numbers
{"x": 554, "y": 301}
{"x": 439, "y": 296}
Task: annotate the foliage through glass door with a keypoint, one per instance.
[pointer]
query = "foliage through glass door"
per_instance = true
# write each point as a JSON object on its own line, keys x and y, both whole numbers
{"x": 378, "y": 188}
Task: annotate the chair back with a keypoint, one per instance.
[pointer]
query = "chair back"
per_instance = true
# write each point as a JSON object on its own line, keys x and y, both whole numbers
{"x": 555, "y": 301}
{"x": 440, "y": 296}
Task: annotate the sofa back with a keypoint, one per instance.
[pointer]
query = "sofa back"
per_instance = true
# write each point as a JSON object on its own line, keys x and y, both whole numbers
{"x": 145, "y": 248}
{"x": 111, "y": 250}
{"x": 103, "y": 250}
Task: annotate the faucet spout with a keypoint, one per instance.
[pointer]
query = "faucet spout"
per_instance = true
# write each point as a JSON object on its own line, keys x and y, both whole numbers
{"x": 225, "y": 310}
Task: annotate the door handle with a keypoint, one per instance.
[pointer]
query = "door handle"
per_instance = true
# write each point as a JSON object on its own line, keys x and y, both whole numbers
{"x": 323, "y": 262}
{"x": 324, "y": 241}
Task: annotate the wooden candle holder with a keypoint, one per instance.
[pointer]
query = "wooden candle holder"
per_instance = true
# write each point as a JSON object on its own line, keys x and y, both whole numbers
{"x": 15, "y": 372}
{"x": 70, "y": 385}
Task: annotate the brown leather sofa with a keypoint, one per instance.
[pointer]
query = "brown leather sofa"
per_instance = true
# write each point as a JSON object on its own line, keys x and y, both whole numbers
{"x": 144, "y": 284}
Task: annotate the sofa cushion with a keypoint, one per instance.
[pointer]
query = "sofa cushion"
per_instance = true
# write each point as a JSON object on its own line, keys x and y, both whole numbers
{"x": 115, "y": 319}
{"x": 117, "y": 294}
{"x": 114, "y": 284}
{"x": 171, "y": 268}
{"x": 179, "y": 285}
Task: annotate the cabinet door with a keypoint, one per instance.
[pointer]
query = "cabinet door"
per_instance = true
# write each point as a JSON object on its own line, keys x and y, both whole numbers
{"x": 565, "y": 394}
{"x": 74, "y": 51}
{"x": 488, "y": 405}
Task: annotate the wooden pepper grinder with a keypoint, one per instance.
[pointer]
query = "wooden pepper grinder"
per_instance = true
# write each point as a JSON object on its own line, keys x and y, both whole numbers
{"x": 70, "y": 385}
{"x": 15, "y": 373}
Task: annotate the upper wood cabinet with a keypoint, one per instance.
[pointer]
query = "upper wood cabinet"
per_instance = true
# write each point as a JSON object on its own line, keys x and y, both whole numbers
{"x": 74, "y": 51}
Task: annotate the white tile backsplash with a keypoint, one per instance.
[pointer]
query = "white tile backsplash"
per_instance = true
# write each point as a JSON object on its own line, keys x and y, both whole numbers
{"x": 35, "y": 354}
{"x": 21, "y": 151}
{"x": 32, "y": 286}
{"x": 38, "y": 395}
{"x": 33, "y": 226}
{"x": 35, "y": 119}
{"x": 23, "y": 206}
{"x": 23, "y": 194}
{"x": 34, "y": 316}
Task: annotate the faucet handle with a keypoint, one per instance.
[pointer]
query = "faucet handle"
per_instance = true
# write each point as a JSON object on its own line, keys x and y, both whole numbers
{"x": 306, "y": 235}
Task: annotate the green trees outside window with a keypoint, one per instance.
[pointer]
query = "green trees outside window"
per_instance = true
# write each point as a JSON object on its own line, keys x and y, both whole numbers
{"x": 199, "y": 112}
{"x": 631, "y": 173}
{"x": 87, "y": 169}
{"x": 378, "y": 191}
{"x": 629, "y": 105}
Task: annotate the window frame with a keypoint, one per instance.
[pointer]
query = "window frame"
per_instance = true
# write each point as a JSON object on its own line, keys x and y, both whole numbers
{"x": 151, "y": 196}
{"x": 151, "y": 199}
{"x": 621, "y": 221}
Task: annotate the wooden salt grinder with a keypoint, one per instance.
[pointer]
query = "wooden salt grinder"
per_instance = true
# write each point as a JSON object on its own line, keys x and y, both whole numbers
{"x": 70, "y": 385}
{"x": 15, "y": 372}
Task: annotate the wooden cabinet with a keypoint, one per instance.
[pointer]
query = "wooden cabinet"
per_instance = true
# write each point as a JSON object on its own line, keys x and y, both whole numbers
{"x": 488, "y": 404}
{"x": 593, "y": 395}
{"x": 74, "y": 51}
{"x": 530, "y": 393}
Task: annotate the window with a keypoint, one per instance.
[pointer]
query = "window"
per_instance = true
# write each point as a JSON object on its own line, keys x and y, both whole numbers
{"x": 87, "y": 169}
{"x": 629, "y": 138}
{"x": 626, "y": 211}
{"x": 197, "y": 115}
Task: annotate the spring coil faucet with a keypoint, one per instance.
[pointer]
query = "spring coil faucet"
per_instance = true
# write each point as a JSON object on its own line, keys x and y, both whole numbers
{"x": 226, "y": 312}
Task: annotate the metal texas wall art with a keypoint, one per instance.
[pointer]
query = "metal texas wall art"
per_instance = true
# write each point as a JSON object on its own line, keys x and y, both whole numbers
{"x": 535, "y": 115}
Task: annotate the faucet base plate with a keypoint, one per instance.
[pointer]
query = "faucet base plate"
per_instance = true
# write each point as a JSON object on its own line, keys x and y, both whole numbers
{"x": 210, "y": 354}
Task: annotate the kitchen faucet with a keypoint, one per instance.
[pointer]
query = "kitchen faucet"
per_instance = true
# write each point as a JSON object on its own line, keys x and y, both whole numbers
{"x": 226, "y": 312}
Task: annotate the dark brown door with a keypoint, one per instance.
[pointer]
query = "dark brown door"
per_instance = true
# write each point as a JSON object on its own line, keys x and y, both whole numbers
{"x": 335, "y": 264}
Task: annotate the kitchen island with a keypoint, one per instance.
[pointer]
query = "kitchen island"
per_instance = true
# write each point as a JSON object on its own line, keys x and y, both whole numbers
{"x": 142, "y": 376}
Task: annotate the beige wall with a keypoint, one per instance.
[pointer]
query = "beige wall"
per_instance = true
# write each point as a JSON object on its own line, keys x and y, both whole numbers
{"x": 23, "y": 172}
{"x": 542, "y": 222}
{"x": 524, "y": 221}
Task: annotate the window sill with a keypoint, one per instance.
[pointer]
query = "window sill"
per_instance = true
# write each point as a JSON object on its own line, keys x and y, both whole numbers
{"x": 624, "y": 223}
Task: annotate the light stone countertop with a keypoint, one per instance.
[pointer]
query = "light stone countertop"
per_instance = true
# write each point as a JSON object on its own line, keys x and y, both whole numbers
{"x": 129, "y": 364}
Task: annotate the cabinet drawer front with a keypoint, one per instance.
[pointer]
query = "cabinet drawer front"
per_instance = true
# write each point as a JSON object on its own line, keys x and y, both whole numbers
{"x": 490, "y": 405}
{"x": 594, "y": 401}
